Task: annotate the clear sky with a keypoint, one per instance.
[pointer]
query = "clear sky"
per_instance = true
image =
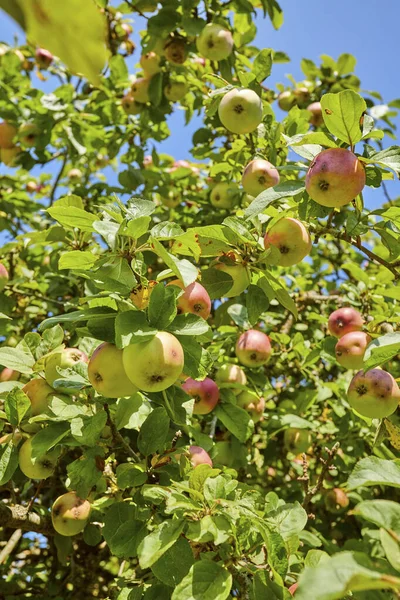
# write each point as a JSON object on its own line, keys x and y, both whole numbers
{"x": 366, "y": 28}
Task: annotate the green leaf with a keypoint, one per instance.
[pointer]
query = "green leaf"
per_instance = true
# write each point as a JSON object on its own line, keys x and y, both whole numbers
{"x": 216, "y": 282}
{"x": 382, "y": 349}
{"x": 288, "y": 520}
{"x": 256, "y": 303}
{"x": 206, "y": 580}
{"x": 82, "y": 43}
{"x": 87, "y": 429}
{"x": 390, "y": 157}
{"x": 18, "y": 359}
{"x": 346, "y": 63}
{"x": 68, "y": 216}
{"x": 175, "y": 563}
{"x": 263, "y": 64}
{"x": 342, "y": 113}
{"x": 183, "y": 269}
{"x": 130, "y": 475}
{"x": 391, "y": 548}
{"x": 188, "y": 324}
{"x": 383, "y": 513}
{"x": 135, "y": 228}
{"x": 76, "y": 259}
{"x": 236, "y": 420}
{"x": 159, "y": 541}
{"x": 154, "y": 432}
{"x": 11, "y": 7}
{"x": 131, "y": 326}
{"x": 8, "y": 461}
{"x": 287, "y": 189}
{"x": 374, "y": 471}
{"x": 85, "y": 471}
{"x": 48, "y": 438}
{"x": 162, "y": 306}
{"x": 197, "y": 360}
{"x": 156, "y": 89}
{"x": 121, "y": 531}
{"x": 16, "y": 406}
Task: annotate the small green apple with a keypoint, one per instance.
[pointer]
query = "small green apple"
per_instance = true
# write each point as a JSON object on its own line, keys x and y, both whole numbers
{"x": 231, "y": 374}
{"x": 107, "y": 374}
{"x": 297, "y": 441}
{"x": 215, "y": 42}
{"x": 42, "y": 467}
{"x": 7, "y": 135}
{"x": 65, "y": 359}
{"x": 70, "y": 514}
{"x": 374, "y": 394}
{"x": 292, "y": 240}
{"x": 224, "y": 195}
{"x": 240, "y": 110}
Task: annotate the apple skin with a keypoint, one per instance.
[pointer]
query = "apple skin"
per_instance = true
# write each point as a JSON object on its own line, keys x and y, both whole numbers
{"x": 140, "y": 90}
{"x": 3, "y": 277}
{"x": 224, "y": 195}
{"x": 350, "y": 349}
{"x": 253, "y": 348}
{"x": 44, "y": 58}
{"x": 374, "y": 394}
{"x": 69, "y": 514}
{"x": 175, "y": 91}
{"x": 301, "y": 96}
{"x": 175, "y": 51}
{"x": 9, "y": 375}
{"x": 65, "y": 359}
{"x": 205, "y": 394}
{"x": 215, "y": 42}
{"x": 7, "y": 135}
{"x": 296, "y": 440}
{"x": 344, "y": 320}
{"x": 198, "y": 456}
{"x": 39, "y": 393}
{"x": 316, "y": 118}
{"x": 259, "y": 175}
{"x": 150, "y": 63}
{"x": 252, "y": 403}
{"x": 28, "y": 134}
{"x": 195, "y": 299}
{"x": 107, "y": 374}
{"x": 155, "y": 365}
{"x": 130, "y": 106}
{"x": 240, "y": 110}
{"x": 9, "y": 156}
{"x": 336, "y": 500}
{"x": 239, "y": 274}
{"x": 335, "y": 177}
{"x": 292, "y": 240}
{"x": 293, "y": 588}
{"x": 42, "y": 468}
{"x": 229, "y": 373}
{"x": 286, "y": 100}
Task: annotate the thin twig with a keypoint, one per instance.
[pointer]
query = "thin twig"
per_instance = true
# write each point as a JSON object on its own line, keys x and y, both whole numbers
{"x": 57, "y": 179}
{"x": 311, "y": 491}
{"x": 117, "y": 437}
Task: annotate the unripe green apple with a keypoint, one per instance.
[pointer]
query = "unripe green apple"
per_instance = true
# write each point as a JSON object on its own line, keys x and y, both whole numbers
{"x": 336, "y": 500}
{"x": 297, "y": 440}
{"x": 259, "y": 175}
{"x": 140, "y": 90}
{"x": 3, "y": 277}
{"x": 374, "y": 394}
{"x": 335, "y": 177}
{"x": 155, "y": 365}
{"x": 150, "y": 63}
{"x": 205, "y": 394}
{"x": 292, "y": 240}
{"x": 70, "y": 514}
{"x": 65, "y": 359}
{"x": 130, "y": 106}
{"x": 28, "y": 134}
{"x": 316, "y": 118}
{"x": 350, "y": 349}
{"x": 195, "y": 299}
{"x": 7, "y": 135}
{"x": 343, "y": 320}
{"x": 301, "y": 96}
{"x": 229, "y": 373}
{"x": 286, "y": 100}
{"x": 9, "y": 156}
{"x": 42, "y": 467}
{"x": 215, "y": 42}
{"x": 224, "y": 195}
{"x": 107, "y": 374}
{"x": 175, "y": 51}
{"x": 9, "y": 375}
{"x": 40, "y": 394}
{"x": 251, "y": 402}
{"x": 253, "y": 348}
{"x": 240, "y": 110}
{"x": 171, "y": 198}
{"x": 175, "y": 91}
{"x": 240, "y": 275}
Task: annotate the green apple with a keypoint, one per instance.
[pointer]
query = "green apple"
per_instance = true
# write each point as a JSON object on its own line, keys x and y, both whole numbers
{"x": 259, "y": 175}
{"x": 253, "y": 348}
{"x": 215, "y": 42}
{"x": 239, "y": 273}
{"x": 130, "y": 106}
{"x": 286, "y": 100}
{"x": 175, "y": 91}
{"x": 65, "y": 359}
{"x": 7, "y": 135}
{"x": 74, "y": 174}
{"x": 292, "y": 240}
{"x": 40, "y": 468}
{"x": 175, "y": 51}
{"x": 251, "y": 402}
{"x": 140, "y": 90}
{"x": 28, "y": 134}
{"x": 336, "y": 500}
{"x": 374, "y": 394}
{"x": 150, "y": 63}
{"x": 70, "y": 514}
{"x": 231, "y": 374}
{"x": 106, "y": 372}
{"x": 297, "y": 441}
{"x": 40, "y": 394}
{"x": 224, "y": 195}
{"x": 240, "y": 110}
{"x": 9, "y": 156}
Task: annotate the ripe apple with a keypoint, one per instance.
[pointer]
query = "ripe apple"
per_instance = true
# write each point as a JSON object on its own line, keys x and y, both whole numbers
{"x": 350, "y": 349}
{"x": 130, "y": 106}
{"x": 205, "y": 394}
{"x": 316, "y": 118}
{"x": 293, "y": 588}
{"x": 155, "y": 365}
{"x": 65, "y": 359}
{"x": 195, "y": 299}
{"x": 150, "y": 63}
{"x": 39, "y": 393}
{"x": 44, "y": 58}
{"x": 140, "y": 90}
{"x": 286, "y": 100}
{"x": 28, "y": 134}
{"x": 70, "y": 514}
{"x": 296, "y": 440}
{"x": 259, "y": 175}
{"x": 301, "y": 96}
{"x": 374, "y": 394}
{"x": 229, "y": 373}
{"x": 335, "y": 177}
{"x": 291, "y": 238}
{"x": 198, "y": 456}
{"x": 215, "y": 42}
{"x": 42, "y": 467}
{"x": 175, "y": 91}
{"x": 240, "y": 275}
{"x": 224, "y": 195}
{"x": 9, "y": 375}
{"x": 74, "y": 174}
{"x": 9, "y": 156}
{"x": 7, "y": 135}
{"x": 251, "y": 402}
{"x": 344, "y": 320}
{"x": 175, "y": 51}
{"x": 253, "y": 348}
{"x": 106, "y": 372}
{"x": 3, "y": 277}
{"x": 336, "y": 500}
{"x": 240, "y": 110}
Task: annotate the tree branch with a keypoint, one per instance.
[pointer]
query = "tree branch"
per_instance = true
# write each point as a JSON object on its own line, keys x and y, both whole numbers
{"x": 9, "y": 547}
{"x": 18, "y": 517}
{"x": 310, "y": 491}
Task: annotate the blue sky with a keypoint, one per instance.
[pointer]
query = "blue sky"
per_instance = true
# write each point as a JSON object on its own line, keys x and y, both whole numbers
{"x": 366, "y": 28}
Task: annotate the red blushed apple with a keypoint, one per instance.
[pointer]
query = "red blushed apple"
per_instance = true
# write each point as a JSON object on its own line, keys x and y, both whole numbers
{"x": 336, "y": 500}
{"x": 44, "y": 58}
{"x": 231, "y": 374}
{"x": 316, "y": 118}
{"x": 140, "y": 90}
{"x": 3, "y": 277}
{"x": 195, "y": 299}
{"x": 293, "y": 588}
{"x": 292, "y": 240}
{"x": 253, "y": 348}
{"x": 9, "y": 375}
{"x": 7, "y": 135}
{"x": 344, "y": 320}
{"x": 259, "y": 175}
{"x": 215, "y": 42}
{"x": 374, "y": 394}
{"x": 335, "y": 177}
{"x": 240, "y": 110}
{"x": 205, "y": 394}
{"x": 198, "y": 456}
{"x": 350, "y": 349}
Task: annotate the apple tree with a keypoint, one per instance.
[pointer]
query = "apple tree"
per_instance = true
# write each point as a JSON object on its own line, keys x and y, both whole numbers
{"x": 200, "y": 358}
